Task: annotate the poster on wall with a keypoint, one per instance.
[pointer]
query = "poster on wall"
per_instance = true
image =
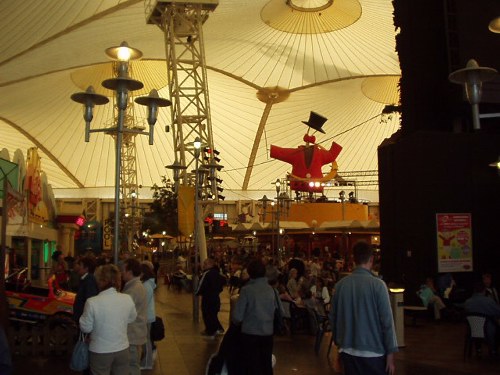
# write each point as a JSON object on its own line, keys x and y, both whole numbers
{"x": 454, "y": 242}
{"x": 107, "y": 235}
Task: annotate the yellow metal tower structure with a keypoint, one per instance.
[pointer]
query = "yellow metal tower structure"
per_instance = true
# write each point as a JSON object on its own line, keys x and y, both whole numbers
{"x": 182, "y": 25}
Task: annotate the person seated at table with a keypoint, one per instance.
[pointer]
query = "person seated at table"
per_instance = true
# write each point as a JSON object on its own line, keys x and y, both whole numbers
{"x": 283, "y": 293}
{"x": 490, "y": 290}
{"x": 429, "y": 297}
{"x": 314, "y": 267}
{"x": 480, "y": 303}
{"x": 298, "y": 310}
{"x": 312, "y": 303}
{"x": 320, "y": 291}
{"x": 293, "y": 283}
{"x": 306, "y": 281}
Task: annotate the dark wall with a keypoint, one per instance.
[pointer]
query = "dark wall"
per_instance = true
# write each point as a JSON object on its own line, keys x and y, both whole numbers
{"x": 426, "y": 173}
{"x": 436, "y": 163}
{"x": 474, "y": 40}
{"x": 436, "y": 38}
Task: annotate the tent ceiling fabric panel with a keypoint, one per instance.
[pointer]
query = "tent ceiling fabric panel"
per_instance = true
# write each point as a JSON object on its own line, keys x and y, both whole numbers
{"x": 310, "y": 17}
{"x": 269, "y": 64}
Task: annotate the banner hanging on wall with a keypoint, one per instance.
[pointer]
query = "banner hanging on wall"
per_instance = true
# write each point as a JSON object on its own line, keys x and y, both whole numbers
{"x": 454, "y": 242}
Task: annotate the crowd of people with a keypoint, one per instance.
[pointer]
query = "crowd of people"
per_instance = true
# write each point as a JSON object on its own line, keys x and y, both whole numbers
{"x": 444, "y": 297}
{"x": 367, "y": 345}
{"x": 315, "y": 284}
{"x": 115, "y": 305}
{"x": 260, "y": 289}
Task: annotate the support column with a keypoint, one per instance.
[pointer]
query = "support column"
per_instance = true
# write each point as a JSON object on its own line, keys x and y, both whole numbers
{"x": 28, "y": 258}
{"x": 66, "y": 238}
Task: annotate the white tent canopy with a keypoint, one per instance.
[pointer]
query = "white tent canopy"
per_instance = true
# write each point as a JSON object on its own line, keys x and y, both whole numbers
{"x": 339, "y": 62}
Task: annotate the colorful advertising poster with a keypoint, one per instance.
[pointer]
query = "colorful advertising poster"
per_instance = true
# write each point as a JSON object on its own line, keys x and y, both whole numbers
{"x": 454, "y": 242}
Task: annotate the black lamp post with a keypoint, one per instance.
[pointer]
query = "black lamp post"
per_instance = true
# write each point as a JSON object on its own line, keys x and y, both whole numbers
{"x": 121, "y": 85}
{"x": 283, "y": 203}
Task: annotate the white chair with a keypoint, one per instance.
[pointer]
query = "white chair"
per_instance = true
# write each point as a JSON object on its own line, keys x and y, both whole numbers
{"x": 475, "y": 334}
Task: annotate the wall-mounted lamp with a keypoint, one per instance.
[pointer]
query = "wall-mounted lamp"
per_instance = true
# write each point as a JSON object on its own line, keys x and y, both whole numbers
{"x": 496, "y": 164}
{"x": 472, "y": 77}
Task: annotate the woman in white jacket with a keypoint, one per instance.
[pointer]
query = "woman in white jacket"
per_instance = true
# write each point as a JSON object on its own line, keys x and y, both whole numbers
{"x": 106, "y": 317}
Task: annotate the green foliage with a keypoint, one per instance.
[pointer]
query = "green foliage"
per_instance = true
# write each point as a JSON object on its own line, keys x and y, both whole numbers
{"x": 163, "y": 215}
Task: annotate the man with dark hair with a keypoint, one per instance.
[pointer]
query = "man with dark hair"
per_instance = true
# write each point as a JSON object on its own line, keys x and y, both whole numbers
{"x": 236, "y": 268}
{"x": 254, "y": 310}
{"x": 209, "y": 288}
{"x": 361, "y": 318}
{"x": 137, "y": 331}
{"x": 87, "y": 286}
{"x": 297, "y": 263}
{"x": 490, "y": 290}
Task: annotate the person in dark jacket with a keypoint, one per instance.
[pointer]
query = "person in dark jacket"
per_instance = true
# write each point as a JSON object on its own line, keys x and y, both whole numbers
{"x": 87, "y": 286}
{"x": 209, "y": 288}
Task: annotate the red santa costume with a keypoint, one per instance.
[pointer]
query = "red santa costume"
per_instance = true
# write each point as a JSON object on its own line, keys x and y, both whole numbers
{"x": 307, "y": 160}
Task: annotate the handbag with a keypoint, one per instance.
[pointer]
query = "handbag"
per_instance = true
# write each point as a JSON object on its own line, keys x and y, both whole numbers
{"x": 80, "y": 356}
{"x": 157, "y": 330}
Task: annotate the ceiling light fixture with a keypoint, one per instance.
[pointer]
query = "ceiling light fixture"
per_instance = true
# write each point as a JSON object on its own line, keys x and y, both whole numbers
{"x": 494, "y": 25}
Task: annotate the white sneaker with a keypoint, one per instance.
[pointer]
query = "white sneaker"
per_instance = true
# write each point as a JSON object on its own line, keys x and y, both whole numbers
{"x": 155, "y": 354}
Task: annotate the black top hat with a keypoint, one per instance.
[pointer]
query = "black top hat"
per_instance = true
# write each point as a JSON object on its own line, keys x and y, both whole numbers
{"x": 316, "y": 121}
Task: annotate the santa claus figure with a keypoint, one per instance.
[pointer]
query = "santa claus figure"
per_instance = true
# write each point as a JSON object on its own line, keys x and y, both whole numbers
{"x": 307, "y": 160}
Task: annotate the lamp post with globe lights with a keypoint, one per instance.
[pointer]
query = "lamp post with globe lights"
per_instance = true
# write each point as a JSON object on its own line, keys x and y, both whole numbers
{"x": 122, "y": 85}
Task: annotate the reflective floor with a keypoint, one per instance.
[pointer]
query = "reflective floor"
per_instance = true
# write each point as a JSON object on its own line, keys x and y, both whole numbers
{"x": 431, "y": 348}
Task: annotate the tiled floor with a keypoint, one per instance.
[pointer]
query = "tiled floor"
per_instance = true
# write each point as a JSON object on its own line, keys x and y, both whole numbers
{"x": 431, "y": 348}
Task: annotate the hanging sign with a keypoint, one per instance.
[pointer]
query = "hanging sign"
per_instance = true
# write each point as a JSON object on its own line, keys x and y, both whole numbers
{"x": 107, "y": 235}
{"x": 454, "y": 242}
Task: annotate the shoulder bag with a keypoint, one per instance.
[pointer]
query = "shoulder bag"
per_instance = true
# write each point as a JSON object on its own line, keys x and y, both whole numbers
{"x": 80, "y": 356}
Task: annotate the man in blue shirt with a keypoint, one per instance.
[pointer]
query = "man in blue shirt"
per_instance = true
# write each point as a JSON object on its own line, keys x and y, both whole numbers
{"x": 361, "y": 318}
{"x": 254, "y": 310}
